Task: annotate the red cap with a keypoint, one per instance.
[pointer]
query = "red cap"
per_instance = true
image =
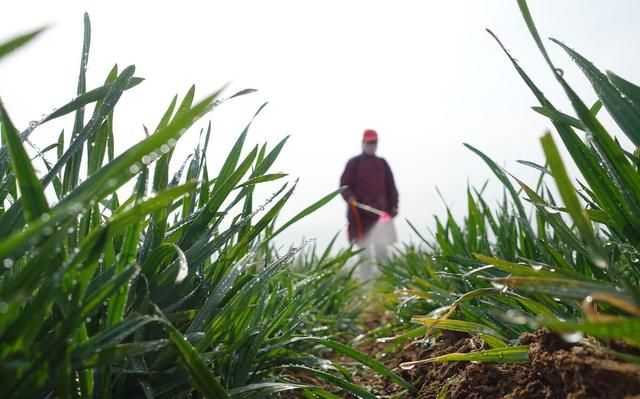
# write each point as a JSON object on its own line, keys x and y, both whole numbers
{"x": 369, "y": 136}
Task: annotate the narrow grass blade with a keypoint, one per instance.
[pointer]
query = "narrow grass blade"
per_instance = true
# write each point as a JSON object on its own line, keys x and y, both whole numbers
{"x": 571, "y": 201}
{"x": 89, "y": 97}
{"x": 628, "y": 89}
{"x": 262, "y": 179}
{"x": 75, "y": 152}
{"x": 561, "y": 287}
{"x": 558, "y": 116}
{"x": 624, "y": 328}
{"x": 307, "y": 211}
{"x": 17, "y": 42}
{"x": 514, "y": 268}
{"x": 512, "y": 354}
{"x": 265, "y": 389}
{"x": 201, "y": 376}
{"x": 32, "y": 193}
{"x": 462, "y": 326}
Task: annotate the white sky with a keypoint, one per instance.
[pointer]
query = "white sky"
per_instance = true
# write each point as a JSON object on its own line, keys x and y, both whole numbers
{"x": 424, "y": 74}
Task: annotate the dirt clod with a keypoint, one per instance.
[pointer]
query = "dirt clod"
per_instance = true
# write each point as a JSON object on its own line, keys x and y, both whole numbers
{"x": 557, "y": 370}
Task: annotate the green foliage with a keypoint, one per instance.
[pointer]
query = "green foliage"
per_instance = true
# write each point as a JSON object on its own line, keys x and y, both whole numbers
{"x": 120, "y": 279}
{"x": 573, "y": 266}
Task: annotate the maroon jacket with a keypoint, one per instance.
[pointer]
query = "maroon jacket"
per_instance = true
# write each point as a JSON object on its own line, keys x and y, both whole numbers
{"x": 368, "y": 178}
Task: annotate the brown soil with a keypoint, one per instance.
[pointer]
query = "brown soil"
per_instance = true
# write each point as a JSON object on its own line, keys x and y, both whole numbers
{"x": 557, "y": 370}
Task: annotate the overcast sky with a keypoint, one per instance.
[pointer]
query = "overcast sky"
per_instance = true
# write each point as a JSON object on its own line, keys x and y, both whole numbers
{"x": 424, "y": 74}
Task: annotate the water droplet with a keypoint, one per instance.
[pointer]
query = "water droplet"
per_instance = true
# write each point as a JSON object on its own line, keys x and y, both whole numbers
{"x": 550, "y": 209}
{"x": 498, "y": 285}
{"x": 559, "y": 71}
{"x": 71, "y": 230}
{"x": 8, "y": 263}
{"x": 589, "y": 139}
{"x": 515, "y": 316}
{"x": 133, "y": 169}
{"x": 164, "y": 148}
{"x": 75, "y": 208}
{"x": 47, "y": 231}
{"x": 536, "y": 266}
{"x": 33, "y": 125}
{"x": 599, "y": 261}
{"x": 146, "y": 159}
{"x": 45, "y": 217}
{"x": 3, "y": 307}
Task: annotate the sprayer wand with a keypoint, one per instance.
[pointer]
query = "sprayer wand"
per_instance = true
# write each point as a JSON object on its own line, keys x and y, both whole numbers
{"x": 370, "y": 209}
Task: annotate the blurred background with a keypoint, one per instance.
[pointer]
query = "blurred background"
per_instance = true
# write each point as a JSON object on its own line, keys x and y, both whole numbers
{"x": 425, "y": 75}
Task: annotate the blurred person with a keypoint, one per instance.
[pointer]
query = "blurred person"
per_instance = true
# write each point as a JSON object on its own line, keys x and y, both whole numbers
{"x": 369, "y": 184}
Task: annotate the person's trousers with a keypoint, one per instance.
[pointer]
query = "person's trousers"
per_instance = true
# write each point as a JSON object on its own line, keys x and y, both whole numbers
{"x": 373, "y": 254}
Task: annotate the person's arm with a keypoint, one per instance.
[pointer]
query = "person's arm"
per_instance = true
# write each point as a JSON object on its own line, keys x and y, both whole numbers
{"x": 392, "y": 191}
{"x": 348, "y": 180}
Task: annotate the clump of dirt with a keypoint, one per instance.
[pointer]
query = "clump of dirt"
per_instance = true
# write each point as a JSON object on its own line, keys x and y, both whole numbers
{"x": 430, "y": 377}
{"x": 557, "y": 370}
{"x": 580, "y": 372}
{"x": 470, "y": 380}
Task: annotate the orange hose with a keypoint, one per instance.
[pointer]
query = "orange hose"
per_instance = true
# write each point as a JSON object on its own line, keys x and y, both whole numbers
{"x": 356, "y": 215}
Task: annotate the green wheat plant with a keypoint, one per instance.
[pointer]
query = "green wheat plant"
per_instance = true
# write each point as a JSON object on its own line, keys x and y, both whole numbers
{"x": 123, "y": 276}
{"x": 568, "y": 261}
